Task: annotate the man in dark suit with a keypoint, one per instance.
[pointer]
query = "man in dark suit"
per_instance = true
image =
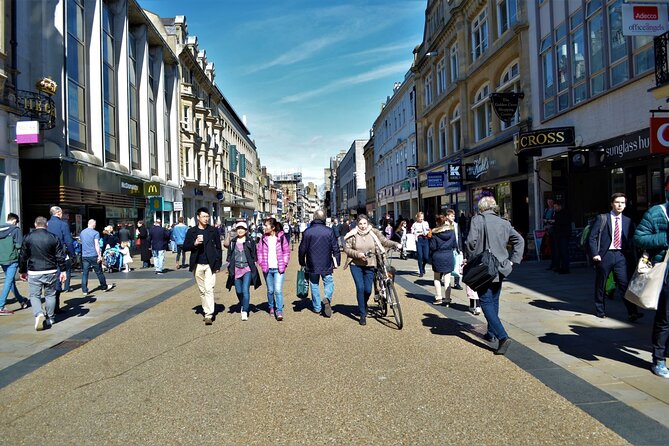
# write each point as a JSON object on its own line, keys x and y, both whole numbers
{"x": 610, "y": 244}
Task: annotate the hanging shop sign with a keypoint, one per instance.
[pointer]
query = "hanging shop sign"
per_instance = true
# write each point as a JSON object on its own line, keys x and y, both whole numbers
{"x": 411, "y": 171}
{"x": 454, "y": 172}
{"x": 644, "y": 19}
{"x": 36, "y": 105}
{"x": 506, "y": 104}
{"x": 435, "y": 179}
{"x": 659, "y": 135}
{"x": 27, "y": 132}
{"x": 155, "y": 204}
{"x": 534, "y": 141}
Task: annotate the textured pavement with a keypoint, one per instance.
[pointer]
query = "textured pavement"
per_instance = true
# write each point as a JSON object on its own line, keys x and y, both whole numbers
{"x": 163, "y": 377}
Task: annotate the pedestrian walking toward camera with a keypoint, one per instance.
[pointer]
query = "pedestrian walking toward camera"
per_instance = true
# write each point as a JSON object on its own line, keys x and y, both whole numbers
{"x": 242, "y": 269}
{"x": 421, "y": 230}
{"x": 319, "y": 253}
{"x": 61, "y": 230}
{"x": 160, "y": 238}
{"x": 91, "y": 257}
{"x": 611, "y": 245}
{"x": 11, "y": 240}
{"x": 273, "y": 258}
{"x": 365, "y": 246}
{"x": 204, "y": 243}
{"x": 179, "y": 236}
{"x": 442, "y": 246}
{"x": 651, "y": 235}
{"x": 142, "y": 234}
{"x": 489, "y": 231}
{"x": 42, "y": 255}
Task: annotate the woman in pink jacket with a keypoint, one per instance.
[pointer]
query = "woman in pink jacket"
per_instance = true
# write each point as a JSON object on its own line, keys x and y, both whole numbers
{"x": 273, "y": 258}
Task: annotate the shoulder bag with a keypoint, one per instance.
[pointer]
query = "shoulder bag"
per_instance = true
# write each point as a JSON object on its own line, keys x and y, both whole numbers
{"x": 483, "y": 268}
{"x": 646, "y": 285}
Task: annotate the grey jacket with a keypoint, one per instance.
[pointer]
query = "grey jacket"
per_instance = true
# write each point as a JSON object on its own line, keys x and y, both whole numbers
{"x": 500, "y": 233}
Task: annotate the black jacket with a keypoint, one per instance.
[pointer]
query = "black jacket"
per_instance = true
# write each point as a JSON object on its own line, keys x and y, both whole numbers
{"x": 41, "y": 251}
{"x": 318, "y": 247}
{"x": 211, "y": 244}
{"x": 251, "y": 253}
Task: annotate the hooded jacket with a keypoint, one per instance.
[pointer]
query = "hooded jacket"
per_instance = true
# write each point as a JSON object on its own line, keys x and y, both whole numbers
{"x": 442, "y": 244}
{"x": 10, "y": 243}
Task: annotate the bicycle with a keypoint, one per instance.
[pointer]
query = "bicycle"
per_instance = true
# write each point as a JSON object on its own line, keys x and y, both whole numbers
{"x": 386, "y": 294}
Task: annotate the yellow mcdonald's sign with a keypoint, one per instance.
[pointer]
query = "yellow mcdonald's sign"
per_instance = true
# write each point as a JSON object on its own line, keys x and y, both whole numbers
{"x": 151, "y": 189}
{"x": 79, "y": 175}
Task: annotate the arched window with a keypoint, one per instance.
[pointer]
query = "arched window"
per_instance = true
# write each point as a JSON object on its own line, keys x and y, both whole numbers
{"x": 508, "y": 82}
{"x": 455, "y": 129}
{"x": 482, "y": 113}
{"x": 443, "y": 149}
{"x": 429, "y": 145}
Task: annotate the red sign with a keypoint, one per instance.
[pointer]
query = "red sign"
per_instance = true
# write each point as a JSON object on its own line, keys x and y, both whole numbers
{"x": 659, "y": 135}
{"x": 646, "y": 13}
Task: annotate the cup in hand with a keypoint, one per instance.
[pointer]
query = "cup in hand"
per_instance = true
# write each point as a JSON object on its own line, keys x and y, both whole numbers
{"x": 200, "y": 238}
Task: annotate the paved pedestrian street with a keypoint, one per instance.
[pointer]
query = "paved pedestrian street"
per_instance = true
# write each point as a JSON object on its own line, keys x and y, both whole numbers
{"x": 163, "y": 377}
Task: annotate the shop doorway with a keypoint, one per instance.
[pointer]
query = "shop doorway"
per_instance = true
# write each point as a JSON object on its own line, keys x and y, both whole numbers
{"x": 520, "y": 210}
{"x": 637, "y": 191}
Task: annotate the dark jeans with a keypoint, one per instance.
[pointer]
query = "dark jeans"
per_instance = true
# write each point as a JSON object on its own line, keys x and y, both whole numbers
{"x": 243, "y": 290}
{"x": 181, "y": 255}
{"x": 560, "y": 258}
{"x": 88, "y": 263}
{"x": 423, "y": 253}
{"x": 363, "y": 277}
{"x": 68, "y": 275}
{"x": 612, "y": 261}
{"x": 489, "y": 301}
{"x": 660, "y": 337}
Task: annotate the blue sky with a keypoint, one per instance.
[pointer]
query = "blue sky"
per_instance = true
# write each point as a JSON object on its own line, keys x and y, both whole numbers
{"x": 309, "y": 75}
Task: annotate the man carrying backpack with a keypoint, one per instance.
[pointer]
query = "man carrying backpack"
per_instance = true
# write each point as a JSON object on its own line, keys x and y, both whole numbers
{"x": 611, "y": 248}
{"x": 10, "y": 247}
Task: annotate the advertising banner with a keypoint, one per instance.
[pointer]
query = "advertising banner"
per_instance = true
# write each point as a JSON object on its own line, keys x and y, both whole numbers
{"x": 644, "y": 19}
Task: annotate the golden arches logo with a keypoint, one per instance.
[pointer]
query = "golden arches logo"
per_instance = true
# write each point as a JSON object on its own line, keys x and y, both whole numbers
{"x": 79, "y": 175}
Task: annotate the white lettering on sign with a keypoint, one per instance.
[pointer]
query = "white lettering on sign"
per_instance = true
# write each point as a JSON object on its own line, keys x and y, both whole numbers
{"x": 129, "y": 186}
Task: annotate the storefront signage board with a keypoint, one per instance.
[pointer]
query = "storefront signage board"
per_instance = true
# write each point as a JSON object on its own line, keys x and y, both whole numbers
{"x": 454, "y": 172}
{"x": 644, "y": 19}
{"x": 534, "y": 141}
{"x": 505, "y": 104}
{"x": 625, "y": 147}
{"x": 27, "y": 132}
{"x": 435, "y": 179}
{"x": 659, "y": 135}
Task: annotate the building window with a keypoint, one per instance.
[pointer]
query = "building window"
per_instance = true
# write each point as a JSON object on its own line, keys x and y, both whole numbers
{"x": 507, "y": 14}
{"x": 578, "y": 76}
{"x": 454, "y": 62}
{"x": 596, "y": 48}
{"x": 428, "y": 90}
{"x": 430, "y": 145}
{"x": 109, "y": 85}
{"x": 480, "y": 34}
{"x": 482, "y": 111}
{"x": 644, "y": 56}
{"x": 510, "y": 81}
{"x": 166, "y": 123}
{"x": 548, "y": 77}
{"x": 443, "y": 149}
{"x": 135, "y": 152}
{"x": 455, "y": 129}
{"x": 441, "y": 77}
{"x": 153, "y": 140}
{"x": 76, "y": 75}
{"x": 562, "y": 67}
{"x": 617, "y": 45}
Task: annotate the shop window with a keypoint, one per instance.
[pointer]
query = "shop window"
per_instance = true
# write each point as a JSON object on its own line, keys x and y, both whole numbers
{"x": 482, "y": 113}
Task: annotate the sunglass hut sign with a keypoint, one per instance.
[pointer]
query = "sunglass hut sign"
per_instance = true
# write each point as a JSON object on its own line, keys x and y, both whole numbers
{"x": 626, "y": 147}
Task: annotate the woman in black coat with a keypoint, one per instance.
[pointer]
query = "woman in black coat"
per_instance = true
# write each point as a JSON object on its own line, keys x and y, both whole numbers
{"x": 242, "y": 268}
{"x": 442, "y": 244}
{"x": 145, "y": 244}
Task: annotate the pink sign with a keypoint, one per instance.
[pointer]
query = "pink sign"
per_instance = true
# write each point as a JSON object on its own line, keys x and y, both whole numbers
{"x": 27, "y": 132}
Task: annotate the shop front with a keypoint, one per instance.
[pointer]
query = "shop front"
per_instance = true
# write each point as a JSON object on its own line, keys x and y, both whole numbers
{"x": 83, "y": 192}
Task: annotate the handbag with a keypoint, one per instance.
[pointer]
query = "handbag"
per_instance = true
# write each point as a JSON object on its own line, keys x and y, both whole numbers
{"x": 138, "y": 243}
{"x": 302, "y": 284}
{"x": 457, "y": 269}
{"x": 483, "y": 268}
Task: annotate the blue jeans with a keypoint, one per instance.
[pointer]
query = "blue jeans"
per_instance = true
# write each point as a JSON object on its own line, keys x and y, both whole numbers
{"x": 10, "y": 283}
{"x": 363, "y": 277}
{"x": 159, "y": 257}
{"x": 423, "y": 253}
{"x": 68, "y": 275}
{"x": 46, "y": 282}
{"x": 274, "y": 281}
{"x": 242, "y": 288}
{"x": 489, "y": 301}
{"x": 88, "y": 263}
{"x": 328, "y": 289}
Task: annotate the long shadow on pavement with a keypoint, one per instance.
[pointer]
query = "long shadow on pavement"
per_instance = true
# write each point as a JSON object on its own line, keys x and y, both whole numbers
{"x": 449, "y": 327}
{"x": 74, "y": 307}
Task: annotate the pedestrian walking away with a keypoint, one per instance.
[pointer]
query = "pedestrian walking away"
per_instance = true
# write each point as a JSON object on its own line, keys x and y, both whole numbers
{"x": 611, "y": 245}
{"x": 442, "y": 246}
{"x": 61, "y": 230}
{"x": 421, "y": 230}
{"x": 489, "y": 231}
{"x": 204, "y": 243}
{"x": 91, "y": 257}
{"x": 651, "y": 235}
{"x": 42, "y": 255}
{"x": 365, "y": 246}
{"x": 457, "y": 271}
{"x": 273, "y": 258}
{"x": 178, "y": 236}
{"x": 319, "y": 253}
{"x": 160, "y": 238}
{"x": 142, "y": 234}
{"x": 242, "y": 269}
{"x": 11, "y": 240}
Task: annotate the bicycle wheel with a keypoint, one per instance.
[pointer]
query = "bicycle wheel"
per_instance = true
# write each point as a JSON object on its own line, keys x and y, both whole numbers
{"x": 394, "y": 300}
{"x": 383, "y": 303}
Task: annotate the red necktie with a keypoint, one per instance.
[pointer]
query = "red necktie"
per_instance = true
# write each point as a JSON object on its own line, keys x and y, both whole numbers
{"x": 616, "y": 234}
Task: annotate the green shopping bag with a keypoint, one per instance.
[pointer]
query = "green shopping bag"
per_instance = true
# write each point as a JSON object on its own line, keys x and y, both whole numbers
{"x": 610, "y": 286}
{"x": 302, "y": 284}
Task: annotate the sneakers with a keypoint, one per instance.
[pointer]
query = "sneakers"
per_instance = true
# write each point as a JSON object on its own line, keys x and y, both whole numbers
{"x": 26, "y": 303}
{"x": 110, "y": 287}
{"x": 438, "y": 301}
{"x": 475, "y": 310}
{"x": 503, "y": 346}
{"x": 327, "y": 309}
{"x": 51, "y": 321}
{"x": 279, "y": 316}
{"x": 5, "y": 312}
{"x": 85, "y": 294}
{"x": 457, "y": 287}
{"x": 39, "y": 322}
{"x": 245, "y": 315}
{"x": 447, "y": 302}
{"x": 207, "y": 320}
{"x": 660, "y": 369}
{"x": 271, "y": 311}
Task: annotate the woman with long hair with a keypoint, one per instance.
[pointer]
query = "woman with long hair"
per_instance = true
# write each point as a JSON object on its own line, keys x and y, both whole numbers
{"x": 273, "y": 258}
{"x": 421, "y": 230}
{"x": 442, "y": 245}
{"x": 242, "y": 270}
